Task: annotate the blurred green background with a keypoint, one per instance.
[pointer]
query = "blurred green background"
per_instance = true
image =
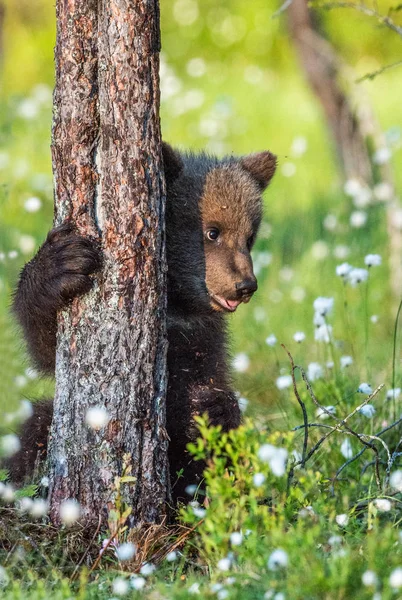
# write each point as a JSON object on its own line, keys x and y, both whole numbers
{"x": 231, "y": 82}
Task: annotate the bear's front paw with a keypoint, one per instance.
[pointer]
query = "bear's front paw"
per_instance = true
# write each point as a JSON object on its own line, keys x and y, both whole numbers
{"x": 65, "y": 263}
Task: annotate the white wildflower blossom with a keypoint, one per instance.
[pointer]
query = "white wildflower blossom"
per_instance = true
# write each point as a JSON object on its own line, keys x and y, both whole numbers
{"x": 346, "y": 361}
{"x": 236, "y": 538}
{"x": 258, "y": 479}
{"x": 26, "y": 244}
{"x": 342, "y": 520}
{"x": 222, "y": 594}
{"x": 32, "y": 204}
{"x": 137, "y": 583}
{"x": 330, "y": 222}
{"x": 330, "y": 364}
{"x": 97, "y": 417}
{"x": 395, "y": 480}
{"x": 194, "y": 588}
{"x": 299, "y": 146}
{"x": 314, "y": 371}
{"x": 367, "y": 411}
{"x": 191, "y": 489}
{"x": 352, "y": 187}
{"x": 374, "y": 319}
{"x": 25, "y": 504}
{"x": 341, "y": 252}
{"x": 120, "y": 586}
{"x": 243, "y": 404}
{"x": 298, "y": 294}
{"x": 320, "y": 250}
{"x": 363, "y": 198}
{"x": 323, "y": 306}
{"x": 24, "y": 411}
{"x": 383, "y": 504}
{"x": 12, "y": 254}
{"x": 147, "y": 569}
{"x": 343, "y": 270}
{"x": 278, "y": 560}
{"x": 299, "y": 337}
{"x": 283, "y": 382}
{"x": 383, "y": 192}
{"x": 9, "y": 444}
{"x": 358, "y": 219}
{"x": 39, "y": 508}
{"x": 4, "y": 578}
{"x": 196, "y": 67}
{"x": 346, "y": 448}
{"x": 275, "y": 457}
{"x": 271, "y": 340}
{"x": 224, "y": 564}
{"x": 125, "y": 551}
{"x": 323, "y": 414}
{"x": 323, "y": 333}
{"x": 7, "y": 493}
{"x": 395, "y": 579}
{"x": 318, "y": 320}
{"x": 199, "y": 512}
{"x": 393, "y": 393}
{"x": 241, "y": 362}
{"x": 365, "y": 388}
{"x": 382, "y": 155}
{"x": 335, "y": 540}
{"x": 356, "y": 276}
{"x": 369, "y": 578}
{"x": 372, "y": 260}
{"x": 288, "y": 169}
{"x": 70, "y": 511}
{"x": 171, "y": 556}
{"x": 45, "y": 481}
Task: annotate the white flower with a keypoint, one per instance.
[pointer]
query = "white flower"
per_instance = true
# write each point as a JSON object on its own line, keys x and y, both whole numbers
{"x": 10, "y": 444}
{"x": 383, "y": 504}
{"x": 352, "y": 187}
{"x": 4, "y": 578}
{"x": 25, "y": 411}
{"x": 299, "y": 337}
{"x": 346, "y": 361}
{"x": 395, "y": 579}
{"x": 323, "y": 306}
{"x": 320, "y": 250}
{"x": 199, "y": 512}
{"x": 241, "y": 362}
{"x": 70, "y": 511}
{"x": 314, "y": 371}
{"x": 147, "y": 569}
{"x": 383, "y": 192}
{"x": 28, "y": 108}
{"x": 171, "y": 556}
{"x": 335, "y": 540}
{"x": 224, "y": 564}
{"x": 32, "y": 204}
{"x": 318, "y": 320}
{"x": 7, "y": 493}
{"x": 97, "y": 417}
{"x": 356, "y": 276}
{"x": 258, "y": 479}
{"x": 275, "y": 457}
{"x": 323, "y": 333}
{"x": 346, "y": 448}
{"x": 243, "y": 403}
{"x": 342, "y": 520}
{"x": 191, "y": 489}
{"x": 321, "y": 414}
{"x": 271, "y": 340}
{"x": 365, "y": 388}
{"x": 382, "y": 156}
{"x": 120, "y": 586}
{"x": 341, "y": 252}
{"x": 278, "y": 560}
{"x": 330, "y": 364}
{"x": 393, "y": 393}
{"x": 284, "y": 381}
{"x": 372, "y": 260}
{"x": 236, "y": 538}
{"x": 369, "y": 578}
{"x": 25, "y": 504}
{"x": 288, "y": 169}
{"x": 299, "y": 146}
{"x": 39, "y": 508}
{"x": 358, "y": 219}
{"x": 367, "y": 411}
{"x": 363, "y": 198}
{"x": 125, "y": 551}
{"x": 330, "y": 222}
{"x": 137, "y": 583}
{"x": 194, "y": 588}
{"x": 374, "y": 319}
{"x": 196, "y": 67}
{"x": 343, "y": 270}
{"x": 45, "y": 481}
{"x": 27, "y": 244}
{"x": 222, "y": 594}
{"x": 12, "y": 254}
{"x": 298, "y": 294}
{"x": 395, "y": 480}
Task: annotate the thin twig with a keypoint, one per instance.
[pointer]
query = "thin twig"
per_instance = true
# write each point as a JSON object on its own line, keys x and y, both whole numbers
{"x": 73, "y": 576}
{"x": 302, "y": 405}
{"x": 387, "y": 21}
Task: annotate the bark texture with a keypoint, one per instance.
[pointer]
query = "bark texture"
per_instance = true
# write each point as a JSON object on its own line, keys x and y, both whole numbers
{"x": 109, "y": 181}
{"x": 352, "y": 124}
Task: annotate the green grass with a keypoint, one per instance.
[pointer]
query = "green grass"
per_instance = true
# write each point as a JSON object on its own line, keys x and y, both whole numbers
{"x": 252, "y": 96}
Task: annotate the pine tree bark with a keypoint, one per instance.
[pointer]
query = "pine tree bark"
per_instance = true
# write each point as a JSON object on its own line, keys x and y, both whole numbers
{"x": 111, "y": 350}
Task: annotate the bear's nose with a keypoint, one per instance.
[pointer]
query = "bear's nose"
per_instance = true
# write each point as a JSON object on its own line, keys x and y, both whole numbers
{"x": 247, "y": 286}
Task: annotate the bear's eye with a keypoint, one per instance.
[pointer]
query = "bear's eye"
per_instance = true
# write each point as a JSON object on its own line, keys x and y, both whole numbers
{"x": 212, "y": 234}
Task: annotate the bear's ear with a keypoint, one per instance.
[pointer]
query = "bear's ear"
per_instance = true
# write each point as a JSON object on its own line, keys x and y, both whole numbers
{"x": 261, "y": 166}
{"x": 172, "y": 162}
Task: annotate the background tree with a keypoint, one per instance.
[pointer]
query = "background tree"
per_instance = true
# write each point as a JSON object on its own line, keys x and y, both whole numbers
{"x": 109, "y": 182}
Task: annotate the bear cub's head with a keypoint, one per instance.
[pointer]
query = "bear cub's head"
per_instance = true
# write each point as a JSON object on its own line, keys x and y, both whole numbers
{"x": 214, "y": 210}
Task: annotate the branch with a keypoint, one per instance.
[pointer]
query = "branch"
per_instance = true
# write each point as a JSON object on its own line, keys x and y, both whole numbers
{"x": 387, "y": 21}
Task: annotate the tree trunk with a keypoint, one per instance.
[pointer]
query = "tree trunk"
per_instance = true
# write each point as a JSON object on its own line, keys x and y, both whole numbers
{"x": 111, "y": 350}
{"x": 355, "y": 132}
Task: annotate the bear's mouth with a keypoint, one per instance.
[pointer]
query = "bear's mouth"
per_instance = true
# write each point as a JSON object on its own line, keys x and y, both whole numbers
{"x": 228, "y": 305}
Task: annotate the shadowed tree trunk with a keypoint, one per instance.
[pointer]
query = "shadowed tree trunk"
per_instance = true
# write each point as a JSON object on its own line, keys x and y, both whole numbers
{"x": 111, "y": 349}
{"x": 354, "y": 130}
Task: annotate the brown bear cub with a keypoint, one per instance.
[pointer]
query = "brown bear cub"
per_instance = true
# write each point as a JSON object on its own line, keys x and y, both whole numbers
{"x": 212, "y": 217}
